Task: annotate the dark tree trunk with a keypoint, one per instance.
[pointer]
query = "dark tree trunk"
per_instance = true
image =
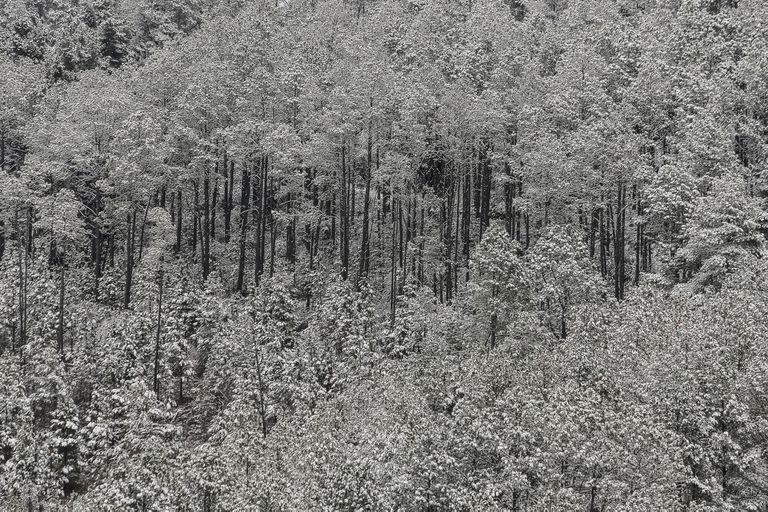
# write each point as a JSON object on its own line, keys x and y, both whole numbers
{"x": 266, "y": 214}
{"x": 229, "y": 183}
{"x": 129, "y": 248}
{"x": 619, "y": 243}
{"x": 99, "y": 245}
{"x": 156, "y": 372}
{"x": 466, "y": 211}
{"x": 272, "y": 244}
{"x": 290, "y": 233}
{"x": 2, "y": 239}
{"x": 177, "y": 246}
{"x": 195, "y": 218}
{"x": 447, "y": 223}
{"x": 393, "y": 275}
{"x": 142, "y": 231}
{"x": 214, "y": 204}
{"x": 508, "y": 202}
{"x": 603, "y": 244}
{"x": 639, "y": 236}
{"x": 257, "y": 183}
{"x": 365, "y": 249}
{"x": 477, "y": 184}
{"x": 344, "y": 215}
{"x": 245, "y": 194}
{"x": 206, "y": 228}
{"x": 485, "y": 207}
{"x": 23, "y": 263}
{"x": 62, "y": 292}
{"x": 593, "y": 226}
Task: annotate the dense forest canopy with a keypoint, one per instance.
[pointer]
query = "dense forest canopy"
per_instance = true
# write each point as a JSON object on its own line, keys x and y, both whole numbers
{"x": 411, "y": 255}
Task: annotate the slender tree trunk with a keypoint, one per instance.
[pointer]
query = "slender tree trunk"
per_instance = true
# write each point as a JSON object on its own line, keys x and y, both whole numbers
{"x": 2, "y": 148}
{"x": 365, "y": 242}
{"x": 130, "y": 242}
{"x": 156, "y": 373}
{"x": 143, "y": 228}
{"x": 62, "y": 292}
{"x": 618, "y": 245}
{"x": 343, "y": 215}
{"x": 593, "y": 226}
{"x": 485, "y": 207}
{"x": 508, "y": 201}
{"x": 272, "y": 243}
{"x": 229, "y": 183}
{"x": 206, "y": 229}
{"x": 393, "y": 276}
{"x": 603, "y": 244}
{"x": 466, "y": 212}
{"x": 30, "y": 232}
{"x": 447, "y": 223}
{"x": 98, "y": 257}
{"x": 518, "y": 213}
{"x": 177, "y": 246}
{"x": 494, "y": 321}
{"x": 257, "y": 179}
{"x": 245, "y": 194}
{"x": 639, "y": 242}
{"x": 214, "y": 204}
{"x": 399, "y": 220}
{"x": 23, "y": 257}
{"x": 266, "y": 208}
{"x": 195, "y": 218}
{"x": 290, "y": 233}
{"x": 477, "y": 185}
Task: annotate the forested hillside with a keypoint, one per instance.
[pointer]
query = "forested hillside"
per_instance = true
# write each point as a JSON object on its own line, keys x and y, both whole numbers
{"x": 385, "y": 255}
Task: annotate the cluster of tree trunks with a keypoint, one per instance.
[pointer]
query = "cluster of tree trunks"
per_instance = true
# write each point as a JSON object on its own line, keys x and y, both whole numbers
{"x": 463, "y": 213}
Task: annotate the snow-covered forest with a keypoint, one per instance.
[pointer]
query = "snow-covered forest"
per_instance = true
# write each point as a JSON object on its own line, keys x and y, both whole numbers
{"x": 383, "y": 255}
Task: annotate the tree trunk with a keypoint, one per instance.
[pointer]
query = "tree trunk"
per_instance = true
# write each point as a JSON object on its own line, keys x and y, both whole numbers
{"x": 485, "y": 207}
{"x": 447, "y": 223}
{"x": 99, "y": 244}
{"x": 23, "y": 258}
{"x": 156, "y": 373}
{"x": 466, "y": 211}
{"x": 62, "y": 291}
{"x": 206, "y": 228}
{"x": 214, "y": 204}
{"x": 290, "y": 233}
{"x": 618, "y": 246}
{"x": 257, "y": 182}
{"x": 343, "y": 215}
{"x": 177, "y": 246}
{"x": 603, "y": 244}
{"x": 365, "y": 249}
{"x": 393, "y": 276}
{"x": 229, "y": 183}
{"x": 508, "y": 201}
{"x": 129, "y": 248}
{"x": 245, "y": 195}
{"x": 141, "y": 232}
{"x": 195, "y": 218}
{"x": 266, "y": 212}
